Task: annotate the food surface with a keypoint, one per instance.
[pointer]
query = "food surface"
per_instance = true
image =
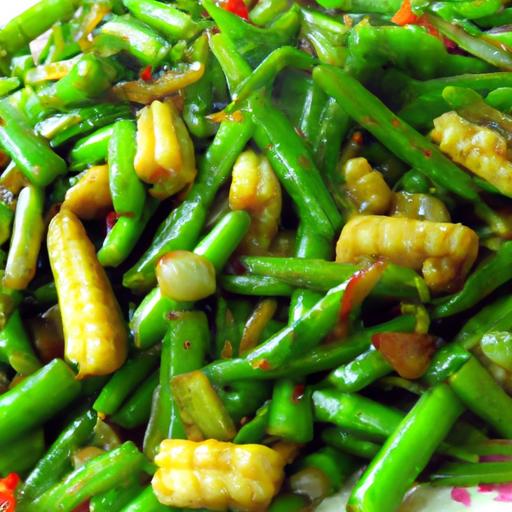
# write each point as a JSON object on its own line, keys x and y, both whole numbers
{"x": 256, "y": 255}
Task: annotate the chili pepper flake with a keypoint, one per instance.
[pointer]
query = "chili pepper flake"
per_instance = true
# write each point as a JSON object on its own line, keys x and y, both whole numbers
{"x": 236, "y": 7}
{"x": 262, "y": 364}
{"x": 111, "y": 219}
{"x": 404, "y": 15}
{"x": 146, "y": 74}
{"x": 298, "y": 393}
{"x": 7, "y": 487}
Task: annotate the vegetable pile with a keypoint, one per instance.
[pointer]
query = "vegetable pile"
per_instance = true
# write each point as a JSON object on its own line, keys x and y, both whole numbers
{"x": 251, "y": 250}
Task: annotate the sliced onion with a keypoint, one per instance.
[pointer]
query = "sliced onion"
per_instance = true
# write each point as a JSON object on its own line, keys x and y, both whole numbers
{"x": 185, "y": 276}
{"x": 143, "y": 92}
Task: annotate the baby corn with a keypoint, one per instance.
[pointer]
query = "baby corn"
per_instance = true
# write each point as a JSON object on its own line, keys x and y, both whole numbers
{"x": 481, "y": 150}
{"x": 256, "y": 189}
{"x": 90, "y": 197}
{"x": 94, "y": 331}
{"x": 367, "y": 188}
{"x": 217, "y": 475}
{"x": 444, "y": 252}
{"x": 165, "y": 154}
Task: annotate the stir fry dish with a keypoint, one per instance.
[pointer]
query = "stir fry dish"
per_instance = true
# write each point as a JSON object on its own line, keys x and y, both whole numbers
{"x": 254, "y": 252}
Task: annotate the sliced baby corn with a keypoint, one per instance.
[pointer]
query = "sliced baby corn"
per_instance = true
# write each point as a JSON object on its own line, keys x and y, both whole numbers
{"x": 217, "y": 475}
{"x": 90, "y": 198}
{"x": 94, "y": 330}
{"x": 256, "y": 189}
{"x": 165, "y": 153}
{"x": 481, "y": 150}
{"x": 444, "y": 252}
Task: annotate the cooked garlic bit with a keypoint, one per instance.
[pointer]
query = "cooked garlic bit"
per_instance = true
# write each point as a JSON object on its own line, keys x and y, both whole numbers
{"x": 419, "y": 206}
{"x": 444, "y": 252}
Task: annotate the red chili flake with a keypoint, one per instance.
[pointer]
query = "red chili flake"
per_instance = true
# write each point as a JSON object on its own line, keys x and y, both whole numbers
{"x": 7, "y": 487}
{"x": 404, "y": 15}
{"x": 187, "y": 344}
{"x": 227, "y": 350}
{"x": 409, "y": 353}
{"x": 395, "y": 122}
{"x": 236, "y": 7}
{"x": 244, "y": 420}
{"x": 357, "y": 138}
{"x": 299, "y": 132}
{"x": 427, "y": 153}
{"x": 237, "y": 267}
{"x": 359, "y": 287}
{"x": 111, "y": 219}
{"x": 262, "y": 364}
{"x": 172, "y": 315}
{"x": 83, "y": 507}
{"x": 146, "y": 74}
{"x": 298, "y": 393}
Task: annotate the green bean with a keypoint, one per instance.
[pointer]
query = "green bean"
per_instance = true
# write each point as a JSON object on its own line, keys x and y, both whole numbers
{"x": 256, "y": 285}
{"x": 361, "y": 372}
{"x": 124, "y": 381}
{"x": 128, "y": 192}
{"x": 254, "y": 430}
{"x": 115, "y": 499}
{"x": 168, "y": 20}
{"x": 96, "y": 476}
{"x": 92, "y": 149}
{"x": 26, "y": 239}
{"x": 146, "y": 502}
{"x": 317, "y": 360}
{"x": 36, "y": 399}
{"x": 481, "y": 394}
{"x": 31, "y": 153}
{"x": 183, "y": 350}
{"x": 135, "y": 37}
{"x": 350, "y": 443}
{"x": 137, "y": 409}
{"x": 491, "y": 274}
{"x": 15, "y": 347}
{"x": 124, "y": 235}
{"x": 291, "y": 412}
{"x": 22, "y": 455}
{"x": 465, "y": 475}
{"x": 57, "y": 460}
{"x": 322, "y": 275}
{"x": 33, "y": 22}
{"x": 89, "y": 78}
{"x": 406, "y": 452}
